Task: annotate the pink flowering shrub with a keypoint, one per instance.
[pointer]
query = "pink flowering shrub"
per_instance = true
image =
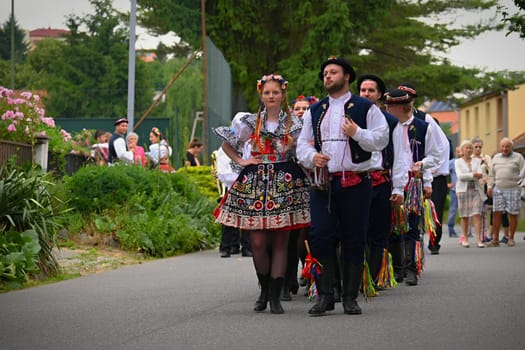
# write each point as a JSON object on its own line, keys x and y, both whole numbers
{"x": 22, "y": 120}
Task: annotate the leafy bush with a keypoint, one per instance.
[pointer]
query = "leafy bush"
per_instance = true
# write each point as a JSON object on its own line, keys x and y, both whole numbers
{"x": 26, "y": 206}
{"x": 18, "y": 256}
{"x": 145, "y": 210}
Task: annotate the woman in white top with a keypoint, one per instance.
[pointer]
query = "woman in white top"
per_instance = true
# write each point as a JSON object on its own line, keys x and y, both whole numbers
{"x": 470, "y": 192}
{"x": 159, "y": 151}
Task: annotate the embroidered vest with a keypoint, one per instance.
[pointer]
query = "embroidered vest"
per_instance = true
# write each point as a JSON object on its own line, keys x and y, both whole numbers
{"x": 388, "y": 151}
{"x": 417, "y": 131}
{"x": 112, "y": 153}
{"x": 357, "y": 108}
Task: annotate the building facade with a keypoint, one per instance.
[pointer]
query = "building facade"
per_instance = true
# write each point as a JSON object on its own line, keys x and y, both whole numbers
{"x": 493, "y": 116}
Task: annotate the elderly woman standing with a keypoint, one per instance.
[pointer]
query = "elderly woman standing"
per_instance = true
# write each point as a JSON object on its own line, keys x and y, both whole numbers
{"x": 270, "y": 196}
{"x": 139, "y": 156}
{"x": 470, "y": 192}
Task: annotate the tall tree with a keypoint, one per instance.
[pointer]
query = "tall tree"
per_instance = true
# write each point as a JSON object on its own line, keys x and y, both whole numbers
{"x": 87, "y": 75}
{"x": 388, "y": 37}
{"x": 21, "y": 46}
{"x": 516, "y": 20}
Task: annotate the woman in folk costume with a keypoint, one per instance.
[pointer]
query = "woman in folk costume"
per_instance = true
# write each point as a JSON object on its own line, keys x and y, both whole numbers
{"x": 159, "y": 151}
{"x": 270, "y": 197}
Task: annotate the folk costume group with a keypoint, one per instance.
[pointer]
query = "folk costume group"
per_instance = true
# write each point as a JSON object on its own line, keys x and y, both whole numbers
{"x": 336, "y": 171}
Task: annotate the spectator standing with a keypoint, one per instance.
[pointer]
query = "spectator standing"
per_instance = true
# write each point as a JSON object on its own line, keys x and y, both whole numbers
{"x": 453, "y": 203}
{"x": 100, "y": 150}
{"x": 159, "y": 151}
{"x": 192, "y": 153}
{"x": 504, "y": 175}
{"x": 139, "y": 156}
{"x": 486, "y": 213}
{"x": 118, "y": 149}
{"x": 470, "y": 192}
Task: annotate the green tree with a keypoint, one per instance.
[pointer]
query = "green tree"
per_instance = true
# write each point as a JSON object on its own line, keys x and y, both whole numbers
{"x": 515, "y": 21}
{"x": 87, "y": 75}
{"x": 21, "y": 47}
{"x": 294, "y": 37}
{"x": 182, "y": 100}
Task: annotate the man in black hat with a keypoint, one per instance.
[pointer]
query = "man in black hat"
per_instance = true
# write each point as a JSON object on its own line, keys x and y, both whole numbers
{"x": 118, "y": 150}
{"x": 440, "y": 172}
{"x": 339, "y": 135}
{"x": 415, "y": 153}
{"x": 372, "y": 88}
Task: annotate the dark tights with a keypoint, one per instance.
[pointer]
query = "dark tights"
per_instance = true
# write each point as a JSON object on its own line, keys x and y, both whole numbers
{"x": 269, "y": 250}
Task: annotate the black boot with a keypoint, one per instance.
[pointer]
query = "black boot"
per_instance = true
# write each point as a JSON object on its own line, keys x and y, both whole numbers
{"x": 375, "y": 259}
{"x": 338, "y": 289}
{"x": 276, "y": 285}
{"x": 285, "y": 291}
{"x": 352, "y": 276}
{"x": 262, "y": 301}
{"x": 410, "y": 263}
{"x": 397, "y": 249}
{"x": 325, "y": 289}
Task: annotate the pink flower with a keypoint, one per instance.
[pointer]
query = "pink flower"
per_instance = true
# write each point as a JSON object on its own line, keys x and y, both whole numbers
{"x": 8, "y": 115}
{"x": 49, "y": 122}
{"x": 26, "y": 94}
{"x": 11, "y": 128}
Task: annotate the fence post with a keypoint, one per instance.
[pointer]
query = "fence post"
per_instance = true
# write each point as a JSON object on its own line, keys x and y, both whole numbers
{"x": 41, "y": 151}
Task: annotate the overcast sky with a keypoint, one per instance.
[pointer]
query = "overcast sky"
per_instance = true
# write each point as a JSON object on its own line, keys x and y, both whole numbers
{"x": 492, "y": 51}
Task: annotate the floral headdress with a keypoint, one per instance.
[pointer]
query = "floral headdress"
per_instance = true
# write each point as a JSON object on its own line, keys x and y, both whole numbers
{"x": 311, "y": 99}
{"x": 272, "y": 77}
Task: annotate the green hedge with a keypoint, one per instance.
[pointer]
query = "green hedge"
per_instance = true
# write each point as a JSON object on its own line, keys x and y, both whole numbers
{"x": 144, "y": 210}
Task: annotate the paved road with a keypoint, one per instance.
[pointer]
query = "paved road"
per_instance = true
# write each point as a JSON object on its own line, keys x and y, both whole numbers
{"x": 467, "y": 299}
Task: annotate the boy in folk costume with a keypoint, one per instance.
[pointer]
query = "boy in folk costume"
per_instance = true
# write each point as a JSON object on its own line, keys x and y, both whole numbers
{"x": 415, "y": 154}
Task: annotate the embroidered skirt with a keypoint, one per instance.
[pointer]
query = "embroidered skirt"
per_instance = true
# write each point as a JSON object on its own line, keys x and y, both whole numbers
{"x": 272, "y": 196}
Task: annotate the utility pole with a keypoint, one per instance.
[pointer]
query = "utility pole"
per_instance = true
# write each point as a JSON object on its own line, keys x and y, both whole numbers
{"x": 131, "y": 64}
{"x": 12, "y": 44}
{"x": 205, "y": 83}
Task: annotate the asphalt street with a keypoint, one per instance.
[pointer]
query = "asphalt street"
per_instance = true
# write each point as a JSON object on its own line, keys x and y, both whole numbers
{"x": 467, "y": 298}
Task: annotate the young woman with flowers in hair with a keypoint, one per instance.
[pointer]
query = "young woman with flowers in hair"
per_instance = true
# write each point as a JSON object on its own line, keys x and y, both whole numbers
{"x": 159, "y": 151}
{"x": 301, "y": 104}
{"x": 270, "y": 196}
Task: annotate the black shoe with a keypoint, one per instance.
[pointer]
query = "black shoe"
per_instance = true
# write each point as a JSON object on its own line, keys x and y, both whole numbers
{"x": 433, "y": 250}
{"x": 225, "y": 254}
{"x": 246, "y": 252}
{"x": 235, "y": 250}
{"x": 411, "y": 278}
{"x": 351, "y": 307}
{"x": 453, "y": 234}
{"x": 325, "y": 303}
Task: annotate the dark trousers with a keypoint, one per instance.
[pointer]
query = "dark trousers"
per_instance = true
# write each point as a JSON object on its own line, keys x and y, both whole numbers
{"x": 343, "y": 211}
{"x": 233, "y": 237}
{"x": 439, "y": 196}
{"x": 380, "y": 223}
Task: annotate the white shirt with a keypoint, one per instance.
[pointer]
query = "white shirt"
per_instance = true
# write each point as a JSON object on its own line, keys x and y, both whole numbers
{"x": 335, "y": 143}
{"x": 158, "y": 151}
{"x": 120, "y": 149}
{"x": 403, "y": 160}
{"x": 440, "y": 139}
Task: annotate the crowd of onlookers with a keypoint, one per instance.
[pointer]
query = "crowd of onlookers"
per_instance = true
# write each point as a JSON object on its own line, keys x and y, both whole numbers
{"x": 487, "y": 192}
{"x": 124, "y": 147}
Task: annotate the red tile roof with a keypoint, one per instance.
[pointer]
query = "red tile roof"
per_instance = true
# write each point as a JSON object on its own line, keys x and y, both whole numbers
{"x": 48, "y": 33}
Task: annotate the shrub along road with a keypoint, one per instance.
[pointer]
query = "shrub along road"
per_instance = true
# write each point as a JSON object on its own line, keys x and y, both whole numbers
{"x": 467, "y": 299}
